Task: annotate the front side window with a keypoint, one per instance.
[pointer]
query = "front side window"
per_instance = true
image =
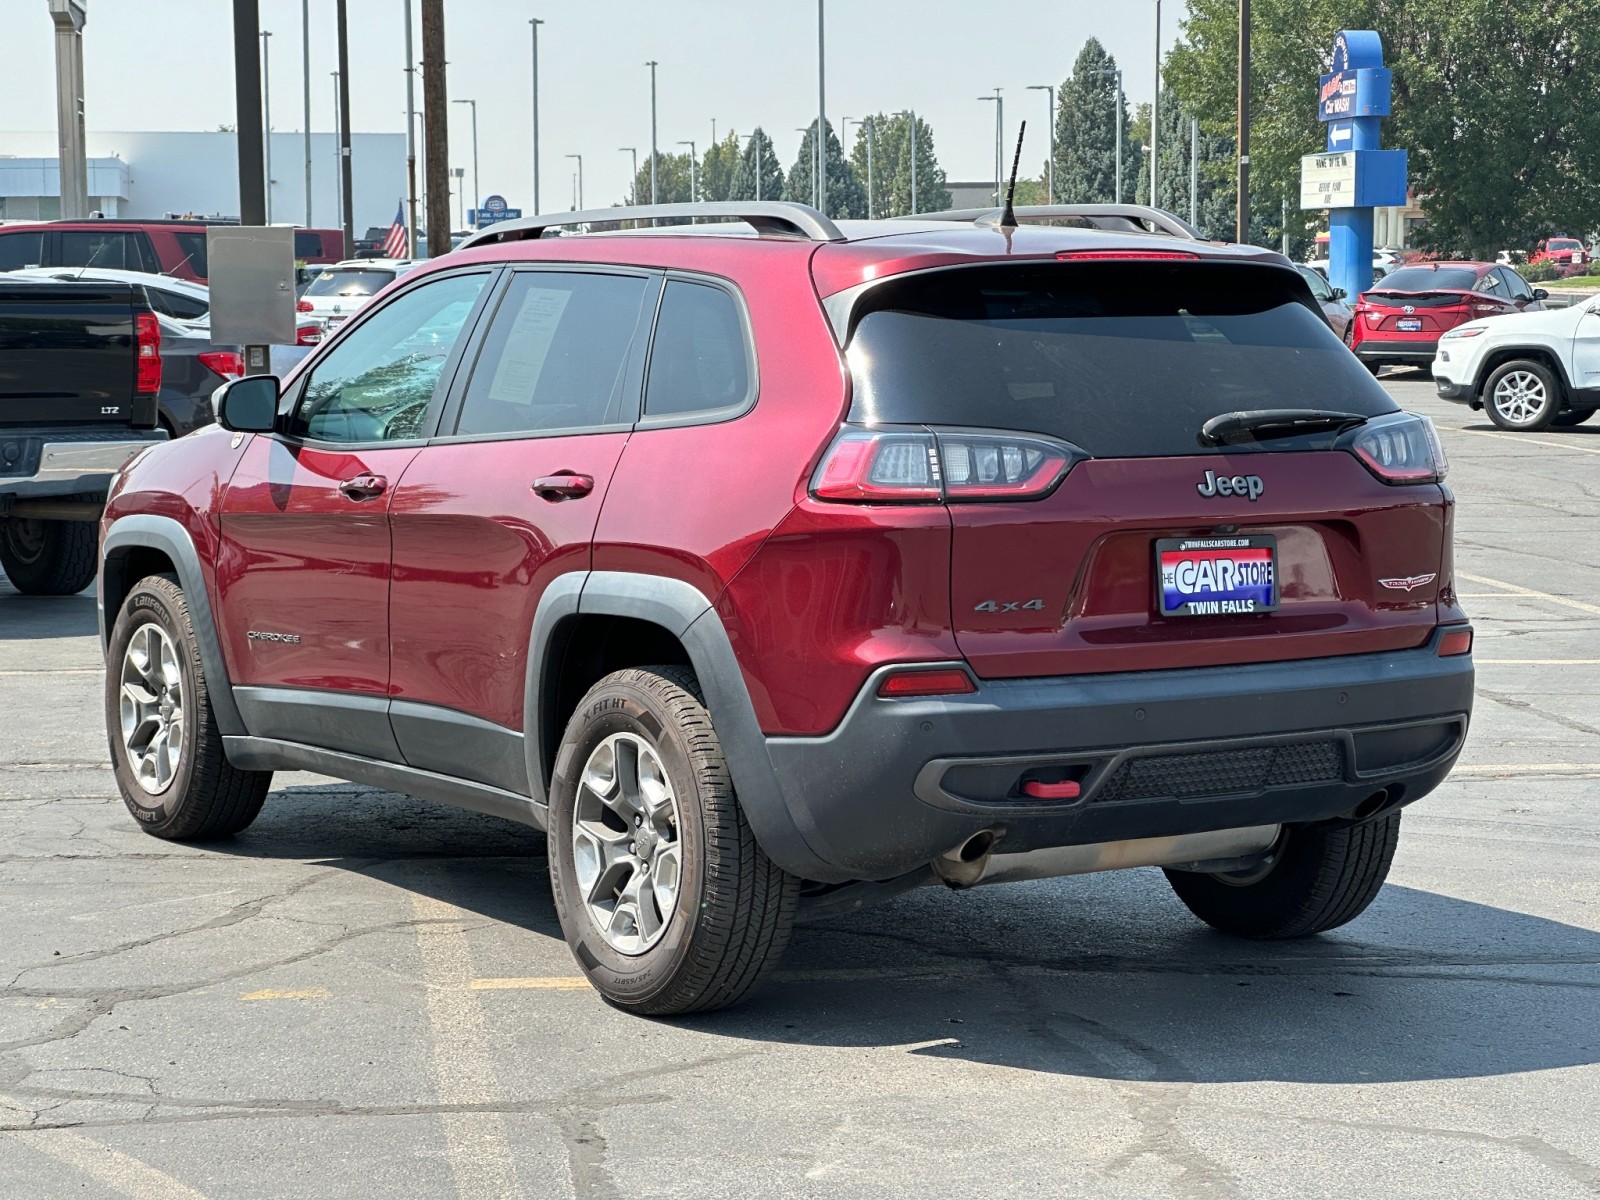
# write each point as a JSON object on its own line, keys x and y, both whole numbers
{"x": 555, "y": 357}
{"x": 111, "y": 249}
{"x": 377, "y": 383}
{"x": 698, "y": 361}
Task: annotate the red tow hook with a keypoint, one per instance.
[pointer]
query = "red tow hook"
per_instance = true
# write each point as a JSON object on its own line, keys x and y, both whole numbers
{"x": 1039, "y": 790}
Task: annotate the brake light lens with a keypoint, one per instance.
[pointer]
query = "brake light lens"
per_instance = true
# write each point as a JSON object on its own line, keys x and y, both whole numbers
{"x": 303, "y": 306}
{"x": 227, "y": 363}
{"x": 1454, "y": 642}
{"x": 1401, "y": 449}
{"x": 898, "y": 466}
{"x": 147, "y": 353}
{"x": 1488, "y": 309}
{"x": 942, "y": 681}
{"x": 308, "y": 335}
{"x": 1127, "y": 256}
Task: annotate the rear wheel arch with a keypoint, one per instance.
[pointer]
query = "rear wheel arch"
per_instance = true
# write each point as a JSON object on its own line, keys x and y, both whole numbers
{"x": 1498, "y": 358}
{"x": 142, "y": 544}
{"x": 591, "y": 621}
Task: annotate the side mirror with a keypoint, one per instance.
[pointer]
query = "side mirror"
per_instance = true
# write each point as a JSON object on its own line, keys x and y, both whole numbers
{"x": 1540, "y": 294}
{"x": 248, "y": 404}
{"x": 1340, "y": 294}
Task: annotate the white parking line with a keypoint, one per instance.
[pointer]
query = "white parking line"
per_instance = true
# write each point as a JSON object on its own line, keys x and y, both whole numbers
{"x": 1522, "y": 437}
{"x": 120, "y": 1172}
{"x": 1519, "y": 590}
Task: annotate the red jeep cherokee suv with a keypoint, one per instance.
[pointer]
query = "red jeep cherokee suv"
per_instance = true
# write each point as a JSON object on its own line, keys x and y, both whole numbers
{"x": 782, "y": 563}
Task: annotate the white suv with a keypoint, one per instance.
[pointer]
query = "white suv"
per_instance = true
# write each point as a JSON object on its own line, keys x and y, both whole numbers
{"x": 1528, "y": 370}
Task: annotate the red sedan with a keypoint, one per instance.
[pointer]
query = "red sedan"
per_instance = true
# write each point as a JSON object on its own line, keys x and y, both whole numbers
{"x": 1399, "y": 321}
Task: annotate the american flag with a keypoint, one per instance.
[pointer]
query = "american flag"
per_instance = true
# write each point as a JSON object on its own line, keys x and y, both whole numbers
{"x": 394, "y": 242}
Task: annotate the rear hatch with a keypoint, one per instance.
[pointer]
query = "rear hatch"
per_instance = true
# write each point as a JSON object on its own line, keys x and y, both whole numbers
{"x": 1107, "y": 513}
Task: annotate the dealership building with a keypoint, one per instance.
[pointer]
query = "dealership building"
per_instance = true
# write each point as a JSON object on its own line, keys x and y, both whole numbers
{"x": 153, "y": 174}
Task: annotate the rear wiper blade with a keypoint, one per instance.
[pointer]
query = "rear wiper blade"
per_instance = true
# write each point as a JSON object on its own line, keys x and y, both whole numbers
{"x": 1264, "y": 424}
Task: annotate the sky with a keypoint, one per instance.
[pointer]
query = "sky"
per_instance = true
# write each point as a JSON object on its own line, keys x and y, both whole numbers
{"x": 167, "y": 65}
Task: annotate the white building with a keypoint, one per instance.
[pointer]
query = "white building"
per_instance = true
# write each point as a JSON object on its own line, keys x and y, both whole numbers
{"x": 146, "y": 174}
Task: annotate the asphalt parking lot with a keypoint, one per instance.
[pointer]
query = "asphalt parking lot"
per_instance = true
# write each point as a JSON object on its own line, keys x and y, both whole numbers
{"x": 368, "y": 996}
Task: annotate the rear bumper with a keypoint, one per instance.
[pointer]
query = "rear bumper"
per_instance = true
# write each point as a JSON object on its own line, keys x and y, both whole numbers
{"x": 1373, "y": 350}
{"x": 1157, "y": 753}
{"x": 49, "y": 467}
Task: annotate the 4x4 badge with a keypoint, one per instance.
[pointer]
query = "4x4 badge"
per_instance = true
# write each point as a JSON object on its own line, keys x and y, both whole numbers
{"x": 1249, "y": 486}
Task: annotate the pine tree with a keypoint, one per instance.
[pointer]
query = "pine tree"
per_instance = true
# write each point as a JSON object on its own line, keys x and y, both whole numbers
{"x": 847, "y": 197}
{"x": 759, "y": 177}
{"x": 1088, "y": 109}
{"x": 672, "y": 180}
{"x": 891, "y": 166}
{"x": 718, "y": 168}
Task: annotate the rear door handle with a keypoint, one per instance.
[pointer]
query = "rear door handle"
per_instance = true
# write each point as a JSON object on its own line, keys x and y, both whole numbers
{"x": 364, "y": 487}
{"x": 564, "y": 485}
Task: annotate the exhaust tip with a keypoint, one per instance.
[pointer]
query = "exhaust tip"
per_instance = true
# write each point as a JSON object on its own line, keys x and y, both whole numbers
{"x": 976, "y": 846}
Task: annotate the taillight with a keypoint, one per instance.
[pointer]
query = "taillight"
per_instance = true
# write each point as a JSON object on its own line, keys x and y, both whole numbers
{"x": 901, "y": 466}
{"x": 227, "y": 363}
{"x": 1400, "y": 449}
{"x": 1488, "y": 309}
{"x": 147, "y": 353}
{"x": 303, "y": 306}
{"x": 308, "y": 335}
{"x": 940, "y": 681}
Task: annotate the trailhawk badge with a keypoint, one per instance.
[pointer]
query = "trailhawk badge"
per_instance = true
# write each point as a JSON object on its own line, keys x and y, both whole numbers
{"x": 1408, "y": 583}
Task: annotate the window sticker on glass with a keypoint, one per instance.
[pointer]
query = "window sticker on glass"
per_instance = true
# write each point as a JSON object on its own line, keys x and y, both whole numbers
{"x": 516, "y": 375}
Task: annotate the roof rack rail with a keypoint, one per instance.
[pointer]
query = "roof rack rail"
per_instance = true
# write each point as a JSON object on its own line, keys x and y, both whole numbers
{"x": 1140, "y": 218}
{"x": 769, "y": 218}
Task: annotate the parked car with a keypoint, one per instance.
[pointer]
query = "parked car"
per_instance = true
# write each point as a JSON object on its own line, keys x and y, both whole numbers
{"x": 1330, "y": 300}
{"x": 164, "y": 247}
{"x": 1529, "y": 371}
{"x": 340, "y": 291}
{"x": 178, "y": 299}
{"x": 1561, "y": 252}
{"x": 80, "y": 370}
{"x": 773, "y": 564}
{"x": 1398, "y": 323}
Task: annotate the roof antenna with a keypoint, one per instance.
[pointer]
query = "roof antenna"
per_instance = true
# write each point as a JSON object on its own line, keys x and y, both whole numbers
{"x": 1008, "y": 219}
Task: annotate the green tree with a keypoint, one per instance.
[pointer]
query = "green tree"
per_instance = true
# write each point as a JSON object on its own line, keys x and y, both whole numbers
{"x": 718, "y": 167}
{"x": 1087, "y": 112}
{"x": 891, "y": 166}
{"x": 759, "y": 177}
{"x": 847, "y": 197}
{"x": 1493, "y": 101}
{"x": 672, "y": 180}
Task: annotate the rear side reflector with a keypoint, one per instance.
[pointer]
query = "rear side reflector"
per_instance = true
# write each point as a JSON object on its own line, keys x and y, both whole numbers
{"x": 900, "y": 466}
{"x": 1039, "y": 790}
{"x": 147, "y": 344}
{"x": 1455, "y": 641}
{"x": 943, "y": 681}
{"x": 1400, "y": 449}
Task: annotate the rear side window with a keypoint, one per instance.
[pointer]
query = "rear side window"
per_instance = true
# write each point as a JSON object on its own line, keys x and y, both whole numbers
{"x": 555, "y": 356}
{"x": 19, "y": 250}
{"x": 1124, "y": 360}
{"x": 699, "y": 362}
{"x": 192, "y": 248}
{"x": 176, "y": 305}
{"x": 113, "y": 249}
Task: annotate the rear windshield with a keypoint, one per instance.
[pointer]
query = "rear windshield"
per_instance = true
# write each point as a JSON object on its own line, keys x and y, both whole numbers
{"x": 349, "y": 283}
{"x": 1427, "y": 279}
{"x": 1124, "y": 360}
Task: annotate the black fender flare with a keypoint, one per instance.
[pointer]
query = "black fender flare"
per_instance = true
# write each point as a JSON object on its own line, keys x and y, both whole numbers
{"x": 686, "y": 613}
{"x": 147, "y": 531}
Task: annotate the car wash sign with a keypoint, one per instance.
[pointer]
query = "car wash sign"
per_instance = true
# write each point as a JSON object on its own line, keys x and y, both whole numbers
{"x": 1351, "y": 90}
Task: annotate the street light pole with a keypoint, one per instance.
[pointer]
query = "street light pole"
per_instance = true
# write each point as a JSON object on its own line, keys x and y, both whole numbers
{"x": 1155, "y": 116}
{"x": 872, "y": 138}
{"x": 305, "y": 77}
{"x": 411, "y": 140}
{"x": 338, "y": 192}
{"x": 477, "y": 196}
{"x": 822, "y": 120}
{"x": 694, "y": 186}
{"x": 1242, "y": 226}
{"x": 534, "y": 24}
{"x": 579, "y": 157}
{"x": 69, "y": 18}
{"x": 652, "y": 65}
{"x": 459, "y": 174}
{"x": 1050, "y": 170}
{"x": 633, "y": 180}
{"x": 266, "y": 118}
{"x": 999, "y": 152}
{"x": 911, "y": 117}
{"x": 1194, "y": 170}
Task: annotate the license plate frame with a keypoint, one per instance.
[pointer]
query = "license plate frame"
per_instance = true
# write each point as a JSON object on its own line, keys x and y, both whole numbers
{"x": 1181, "y": 598}
{"x": 1409, "y": 324}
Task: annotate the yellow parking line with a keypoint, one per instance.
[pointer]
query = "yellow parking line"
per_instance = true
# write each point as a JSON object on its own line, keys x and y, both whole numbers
{"x": 310, "y": 993}
{"x": 122, "y": 1173}
{"x": 1519, "y": 590}
{"x": 550, "y": 983}
{"x": 1519, "y": 437}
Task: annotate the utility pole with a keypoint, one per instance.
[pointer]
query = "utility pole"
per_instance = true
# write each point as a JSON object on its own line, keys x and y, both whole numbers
{"x": 346, "y": 184}
{"x": 1242, "y": 222}
{"x": 411, "y": 140}
{"x": 633, "y": 180}
{"x": 822, "y": 120}
{"x": 694, "y": 186}
{"x": 1155, "y": 116}
{"x": 1050, "y": 167}
{"x": 69, "y": 17}
{"x": 266, "y": 110}
{"x": 534, "y": 24}
{"x": 652, "y": 65}
{"x": 436, "y": 136}
{"x": 305, "y": 77}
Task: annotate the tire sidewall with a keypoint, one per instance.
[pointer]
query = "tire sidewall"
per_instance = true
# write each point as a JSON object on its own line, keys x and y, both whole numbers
{"x": 619, "y": 707}
{"x": 157, "y": 811}
{"x": 1552, "y": 396}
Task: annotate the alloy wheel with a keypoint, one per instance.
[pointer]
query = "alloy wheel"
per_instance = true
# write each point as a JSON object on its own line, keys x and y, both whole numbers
{"x": 625, "y": 843}
{"x": 152, "y": 707}
{"x": 1520, "y": 397}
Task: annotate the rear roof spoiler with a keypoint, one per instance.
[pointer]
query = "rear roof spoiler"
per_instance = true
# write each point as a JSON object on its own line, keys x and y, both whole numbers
{"x": 1124, "y": 218}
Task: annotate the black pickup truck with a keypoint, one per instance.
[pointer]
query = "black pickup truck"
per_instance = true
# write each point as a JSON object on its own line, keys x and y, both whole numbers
{"x": 80, "y": 372}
